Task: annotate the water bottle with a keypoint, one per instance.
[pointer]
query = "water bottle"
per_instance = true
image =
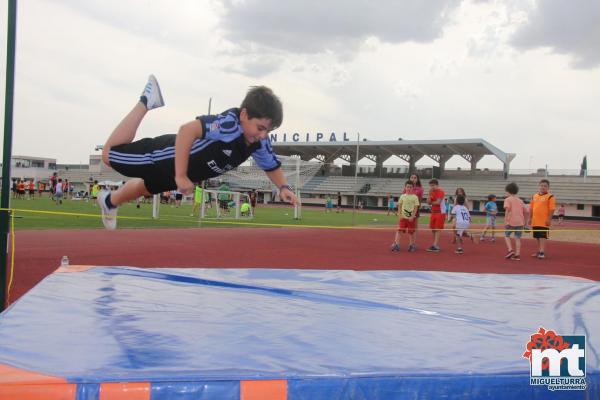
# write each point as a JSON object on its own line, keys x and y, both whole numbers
{"x": 64, "y": 262}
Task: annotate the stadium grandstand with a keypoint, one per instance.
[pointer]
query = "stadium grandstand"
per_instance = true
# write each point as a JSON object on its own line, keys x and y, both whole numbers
{"x": 578, "y": 190}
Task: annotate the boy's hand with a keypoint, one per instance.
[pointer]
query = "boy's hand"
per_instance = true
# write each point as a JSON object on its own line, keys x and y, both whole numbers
{"x": 288, "y": 195}
{"x": 184, "y": 185}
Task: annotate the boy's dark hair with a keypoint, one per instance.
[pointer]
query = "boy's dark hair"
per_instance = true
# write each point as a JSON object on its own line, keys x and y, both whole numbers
{"x": 512, "y": 188}
{"x": 409, "y": 182}
{"x": 59, "y": 179}
{"x": 261, "y": 102}
{"x": 434, "y": 182}
{"x": 460, "y": 200}
{"x": 491, "y": 197}
{"x": 546, "y": 181}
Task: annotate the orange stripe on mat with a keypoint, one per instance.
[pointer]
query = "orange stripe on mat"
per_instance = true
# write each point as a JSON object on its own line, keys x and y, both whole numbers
{"x": 261, "y": 390}
{"x": 125, "y": 391}
{"x": 75, "y": 268}
{"x": 16, "y": 383}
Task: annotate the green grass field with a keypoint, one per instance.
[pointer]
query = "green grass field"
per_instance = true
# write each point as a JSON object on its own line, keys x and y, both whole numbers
{"x": 180, "y": 217}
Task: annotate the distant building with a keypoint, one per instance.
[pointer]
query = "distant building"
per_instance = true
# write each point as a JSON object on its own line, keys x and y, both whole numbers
{"x": 27, "y": 168}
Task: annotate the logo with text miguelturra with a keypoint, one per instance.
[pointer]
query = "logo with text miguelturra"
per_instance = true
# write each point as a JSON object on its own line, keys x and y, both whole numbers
{"x": 556, "y": 361}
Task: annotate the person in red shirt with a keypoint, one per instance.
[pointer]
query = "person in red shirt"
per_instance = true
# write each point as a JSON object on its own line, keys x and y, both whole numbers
{"x": 31, "y": 189}
{"x": 436, "y": 222}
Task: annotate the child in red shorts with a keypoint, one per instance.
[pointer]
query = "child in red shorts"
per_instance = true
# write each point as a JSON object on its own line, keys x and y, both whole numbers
{"x": 436, "y": 222}
{"x": 408, "y": 205}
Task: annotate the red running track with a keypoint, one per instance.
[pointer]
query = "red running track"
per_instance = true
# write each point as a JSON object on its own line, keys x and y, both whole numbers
{"x": 38, "y": 253}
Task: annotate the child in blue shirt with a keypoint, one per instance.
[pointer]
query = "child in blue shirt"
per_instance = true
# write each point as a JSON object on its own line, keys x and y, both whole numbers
{"x": 491, "y": 209}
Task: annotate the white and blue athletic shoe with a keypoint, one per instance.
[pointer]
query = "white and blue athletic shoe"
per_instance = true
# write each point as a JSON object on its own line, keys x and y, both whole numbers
{"x": 151, "y": 96}
{"x": 109, "y": 215}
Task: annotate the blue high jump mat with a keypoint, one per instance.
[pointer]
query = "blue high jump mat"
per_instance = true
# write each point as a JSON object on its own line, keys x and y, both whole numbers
{"x": 90, "y": 333}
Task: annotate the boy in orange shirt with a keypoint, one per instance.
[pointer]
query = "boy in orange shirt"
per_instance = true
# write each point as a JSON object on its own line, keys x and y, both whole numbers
{"x": 436, "y": 221}
{"x": 542, "y": 208}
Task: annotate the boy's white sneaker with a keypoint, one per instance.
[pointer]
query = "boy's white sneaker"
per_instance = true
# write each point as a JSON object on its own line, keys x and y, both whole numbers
{"x": 152, "y": 94}
{"x": 109, "y": 215}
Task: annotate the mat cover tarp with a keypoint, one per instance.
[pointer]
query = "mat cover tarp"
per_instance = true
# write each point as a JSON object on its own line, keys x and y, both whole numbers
{"x": 331, "y": 334}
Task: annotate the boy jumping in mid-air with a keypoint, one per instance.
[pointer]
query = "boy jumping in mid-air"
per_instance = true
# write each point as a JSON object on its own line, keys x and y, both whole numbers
{"x": 463, "y": 221}
{"x": 408, "y": 205}
{"x": 204, "y": 148}
{"x": 491, "y": 209}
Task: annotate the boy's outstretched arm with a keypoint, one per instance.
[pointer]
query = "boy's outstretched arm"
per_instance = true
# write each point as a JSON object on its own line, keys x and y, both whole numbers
{"x": 278, "y": 178}
{"x": 183, "y": 145}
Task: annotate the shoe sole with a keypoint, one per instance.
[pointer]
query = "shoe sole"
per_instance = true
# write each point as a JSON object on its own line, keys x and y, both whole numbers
{"x": 105, "y": 218}
{"x": 158, "y": 94}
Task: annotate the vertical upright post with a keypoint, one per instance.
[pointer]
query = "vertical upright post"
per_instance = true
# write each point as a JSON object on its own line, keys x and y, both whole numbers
{"x": 238, "y": 205}
{"x": 297, "y": 212}
{"x": 355, "y": 178}
{"x": 209, "y": 104}
{"x": 203, "y": 204}
{"x": 7, "y": 151}
{"x": 155, "y": 206}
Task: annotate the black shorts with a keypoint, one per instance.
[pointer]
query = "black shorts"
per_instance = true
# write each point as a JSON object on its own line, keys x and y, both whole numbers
{"x": 129, "y": 160}
{"x": 224, "y": 204}
{"x": 153, "y": 160}
{"x": 178, "y": 196}
{"x": 541, "y": 232}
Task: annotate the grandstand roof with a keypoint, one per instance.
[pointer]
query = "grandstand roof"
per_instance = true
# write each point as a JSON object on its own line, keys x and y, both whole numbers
{"x": 405, "y": 149}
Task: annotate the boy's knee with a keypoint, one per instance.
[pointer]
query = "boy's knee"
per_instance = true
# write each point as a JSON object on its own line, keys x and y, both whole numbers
{"x": 105, "y": 159}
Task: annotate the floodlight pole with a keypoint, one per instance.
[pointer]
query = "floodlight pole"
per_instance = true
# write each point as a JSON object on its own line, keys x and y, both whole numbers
{"x": 7, "y": 151}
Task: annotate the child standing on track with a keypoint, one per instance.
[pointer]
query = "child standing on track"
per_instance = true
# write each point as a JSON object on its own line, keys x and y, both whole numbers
{"x": 491, "y": 209}
{"x": 204, "y": 148}
{"x": 561, "y": 214}
{"x": 197, "y": 199}
{"x": 542, "y": 208}
{"x": 418, "y": 191}
{"x": 328, "y": 204}
{"x": 408, "y": 205}
{"x": 514, "y": 218}
{"x": 436, "y": 222}
{"x": 462, "y": 218}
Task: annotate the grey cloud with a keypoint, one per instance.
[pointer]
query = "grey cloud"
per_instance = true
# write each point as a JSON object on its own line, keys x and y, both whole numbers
{"x": 333, "y": 26}
{"x": 255, "y": 67}
{"x": 567, "y": 27}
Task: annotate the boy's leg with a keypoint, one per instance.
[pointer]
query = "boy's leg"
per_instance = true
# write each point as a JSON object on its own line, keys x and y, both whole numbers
{"x": 508, "y": 243}
{"x": 131, "y": 190}
{"x": 459, "y": 242}
{"x": 542, "y": 245}
{"x": 126, "y": 130}
{"x": 436, "y": 237}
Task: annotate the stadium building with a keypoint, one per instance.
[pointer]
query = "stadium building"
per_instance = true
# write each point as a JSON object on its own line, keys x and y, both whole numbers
{"x": 374, "y": 179}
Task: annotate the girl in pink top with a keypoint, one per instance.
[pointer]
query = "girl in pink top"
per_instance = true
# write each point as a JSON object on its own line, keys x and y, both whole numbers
{"x": 418, "y": 191}
{"x": 514, "y": 218}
